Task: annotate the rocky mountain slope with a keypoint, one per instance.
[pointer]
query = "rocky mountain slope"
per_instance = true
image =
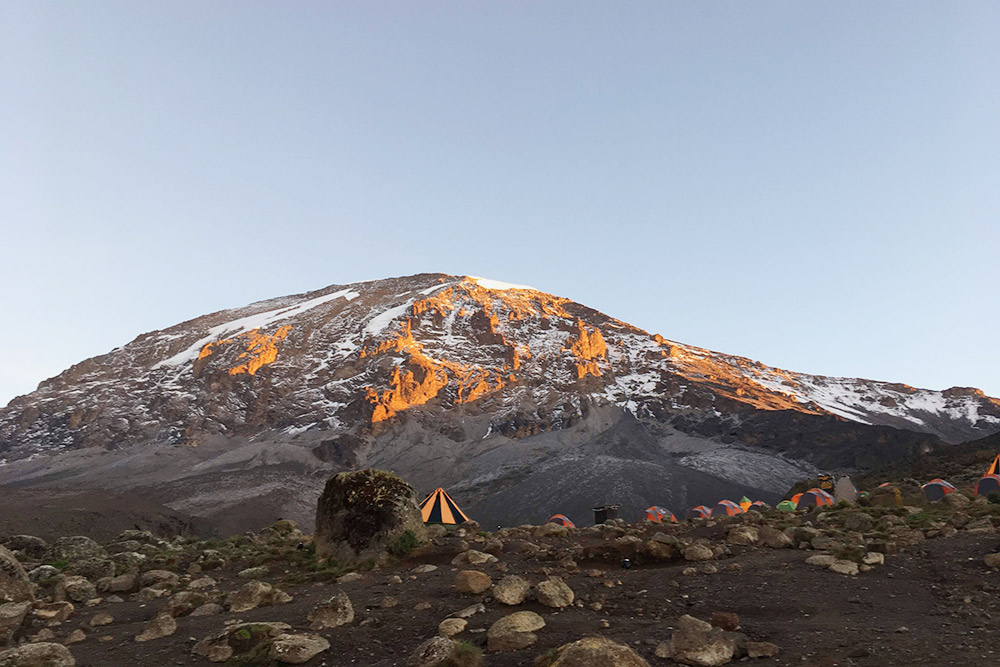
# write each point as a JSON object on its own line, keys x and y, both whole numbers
{"x": 523, "y": 403}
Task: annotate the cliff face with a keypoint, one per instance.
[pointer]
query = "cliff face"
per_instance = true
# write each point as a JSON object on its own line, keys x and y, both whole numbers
{"x": 406, "y": 371}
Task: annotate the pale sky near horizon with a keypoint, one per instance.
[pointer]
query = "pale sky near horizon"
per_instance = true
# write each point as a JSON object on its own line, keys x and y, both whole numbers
{"x": 815, "y": 185}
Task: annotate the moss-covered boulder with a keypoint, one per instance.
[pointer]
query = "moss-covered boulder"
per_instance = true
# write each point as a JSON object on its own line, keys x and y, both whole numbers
{"x": 364, "y": 514}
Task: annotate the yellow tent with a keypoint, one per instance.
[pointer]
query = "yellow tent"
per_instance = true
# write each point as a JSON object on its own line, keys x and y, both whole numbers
{"x": 440, "y": 508}
{"x": 994, "y": 467}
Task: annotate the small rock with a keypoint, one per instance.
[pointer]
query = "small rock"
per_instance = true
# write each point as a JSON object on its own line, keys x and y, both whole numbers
{"x": 432, "y": 652}
{"x": 12, "y": 615}
{"x": 75, "y": 588}
{"x": 254, "y": 572}
{"x": 743, "y": 536}
{"x": 450, "y": 627}
{"x": 821, "y": 560}
{"x": 75, "y": 637}
{"x": 424, "y": 569}
{"x": 469, "y": 611}
{"x": 296, "y": 649}
{"x": 159, "y": 579}
{"x": 511, "y": 590}
{"x": 422, "y": 606}
{"x": 333, "y": 613}
{"x": 873, "y": 558}
{"x": 102, "y": 618}
{"x": 54, "y": 611}
{"x": 472, "y": 581}
{"x": 697, "y": 552}
{"x": 201, "y": 583}
{"x": 725, "y": 620}
{"x": 554, "y": 592}
{"x": 209, "y": 609}
{"x": 992, "y": 560}
{"x": 161, "y": 626}
{"x": 514, "y": 632}
{"x": 388, "y": 602}
{"x": 44, "y": 635}
{"x": 761, "y": 650}
{"x": 349, "y": 577}
{"x": 256, "y": 593}
{"x": 43, "y": 572}
{"x": 844, "y": 567}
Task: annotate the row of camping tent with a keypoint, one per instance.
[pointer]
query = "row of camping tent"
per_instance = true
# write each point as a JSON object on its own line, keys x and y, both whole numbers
{"x": 438, "y": 507}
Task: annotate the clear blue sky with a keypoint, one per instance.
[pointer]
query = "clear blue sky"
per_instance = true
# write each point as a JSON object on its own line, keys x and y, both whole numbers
{"x": 812, "y": 184}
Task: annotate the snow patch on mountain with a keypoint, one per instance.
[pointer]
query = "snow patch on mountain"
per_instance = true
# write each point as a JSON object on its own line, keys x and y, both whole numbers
{"x": 487, "y": 283}
{"x": 251, "y": 322}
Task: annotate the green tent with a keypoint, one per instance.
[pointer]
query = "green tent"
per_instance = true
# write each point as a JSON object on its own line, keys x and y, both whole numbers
{"x": 786, "y": 506}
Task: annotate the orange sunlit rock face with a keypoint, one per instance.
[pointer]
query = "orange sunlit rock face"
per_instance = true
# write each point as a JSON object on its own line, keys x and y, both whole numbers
{"x": 423, "y": 377}
{"x": 587, "y": 347}
{"x": 260, "y": 349}
{"x": 408, "y": 387}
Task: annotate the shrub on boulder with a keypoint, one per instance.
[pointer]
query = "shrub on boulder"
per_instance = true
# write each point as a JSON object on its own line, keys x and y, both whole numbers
{"x": 362, "y": 514}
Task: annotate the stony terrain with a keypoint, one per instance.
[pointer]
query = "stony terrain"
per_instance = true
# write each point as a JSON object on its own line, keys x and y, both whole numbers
{"x": 498, "y": 392}
{"x": 861, "y": 585}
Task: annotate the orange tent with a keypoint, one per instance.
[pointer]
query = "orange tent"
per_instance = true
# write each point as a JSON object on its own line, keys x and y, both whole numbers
{"x": 988, "y": 484}
{"x": 814, "y": 498}
{"x": 657, "y": 514}
{"x": 699, "y": 512}
{"x": 937, "y": 488}
{"x": 994, "y": 467}
{"x": 562, "y": 520}
{"x": 440, "y": 508}
{"x": 726, "y": 508}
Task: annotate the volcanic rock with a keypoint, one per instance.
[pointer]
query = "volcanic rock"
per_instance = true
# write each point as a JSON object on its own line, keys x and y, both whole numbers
{"x": 596, "y": 652}
{"x": 43, "y": 654}
{"x": 14, "y": 583}
{"x": 335, "y": 612}
{"x": 296, "y": 649}
{"x": 360, "y": 514}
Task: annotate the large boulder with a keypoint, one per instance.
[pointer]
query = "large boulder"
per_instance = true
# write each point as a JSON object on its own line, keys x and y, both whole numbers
{"x": 514, "y": 632}
{"x": 42, "y": 654}
{"x": 553, "y": 592}
{"x": 255, "y": 594}
{"x": 75, "y": 589}
{"x": 239, "y": 640}
{"x": 74, "y": 548}
{"x": 29, "y": 545}
{"x": 593, "y": 652}
{"x": 362, "y": 514}
{"x": 11, "y": 616}
{"x": 696, "y": 642}
{"x": 14, "y": 583}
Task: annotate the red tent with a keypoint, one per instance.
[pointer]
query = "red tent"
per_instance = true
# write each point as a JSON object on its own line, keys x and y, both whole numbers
{"x": 562, "y": 520}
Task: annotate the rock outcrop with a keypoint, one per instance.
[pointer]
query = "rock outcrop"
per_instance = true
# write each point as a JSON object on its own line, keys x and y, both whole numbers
{"x": 362, "y": 514}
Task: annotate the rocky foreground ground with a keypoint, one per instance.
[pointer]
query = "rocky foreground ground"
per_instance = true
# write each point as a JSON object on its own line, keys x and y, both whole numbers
{"x": 846, "y": 585}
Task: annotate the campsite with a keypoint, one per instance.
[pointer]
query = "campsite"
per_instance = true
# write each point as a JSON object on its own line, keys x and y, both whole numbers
{"x": 906, "y": 573}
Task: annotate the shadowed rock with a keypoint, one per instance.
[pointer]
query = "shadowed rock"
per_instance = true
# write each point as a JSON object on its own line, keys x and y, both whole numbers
{"x": 362, "y": 514}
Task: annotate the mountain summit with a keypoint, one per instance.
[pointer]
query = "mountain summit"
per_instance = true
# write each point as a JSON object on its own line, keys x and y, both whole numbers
{"x": 523, "y": 402}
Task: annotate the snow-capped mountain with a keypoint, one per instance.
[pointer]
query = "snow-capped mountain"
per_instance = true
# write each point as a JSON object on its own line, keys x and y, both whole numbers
{"x": 449, "y": 379}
